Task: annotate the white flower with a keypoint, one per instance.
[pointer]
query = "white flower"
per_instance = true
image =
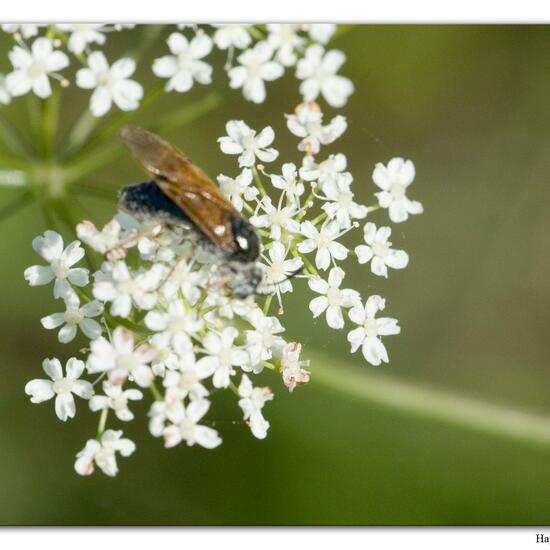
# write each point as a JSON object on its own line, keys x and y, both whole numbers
{"x": 185, "y": 279}
{"x": 243, "y": 141}
{"x": 318, "y": 72}
{"x": 340, "y": 204}
{"x": 117, "y": 285}
{"x": 187, "y": 379}
{"x": 283, "y": 38}
{"x": 115, "y": 398}
{"x": 263, "y": 342}
{"x": 62, "y": 387}
{"x": 327, "y": 172}
{"x": 83, "y": 34}
{"x": 103, "y": 453}
{"x": 231, "y": 35}
{"x": 255, "y": 68}
{"x": 31, "y": 68}
{"x": 276, "y": 218}
{"x": 221, "y": 355}
{"x": 367, "y": 335}
{"x": 291, "y": 366}
{"x": 321, "y": 32}
{"x": 187, "y": 428}
{"x": 157, "y": 418}
{"x": 288, "y": 182}
{"x": 110, "y": 84}
{"x": 278, "y": 268}
{"x": 101, "y": 241}
{"x": 307, "y": 123}
{"x": 120, "y": 360}
{"x": 236, "y": 188}
{"x": 332, "y": 298}
{"x": 75, "y": 316}
{"x": 252, "y": 402}
{"x": 50, "y": 247}
{"x": 324, "y": 241}
{"x": 185, "y": 66}
{"x": 5, "y": 96}
{"x": 394, "y": 179}
{"x": 174, "y": 321}
{"x": 26, "y": 31}
{"x": 379, "y": 252}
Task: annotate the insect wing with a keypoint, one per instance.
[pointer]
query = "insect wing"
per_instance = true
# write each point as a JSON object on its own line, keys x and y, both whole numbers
{"x": 184, "y": 183}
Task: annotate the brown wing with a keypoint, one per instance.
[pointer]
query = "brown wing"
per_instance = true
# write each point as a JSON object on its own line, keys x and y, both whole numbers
{"x": 183, "y": 182}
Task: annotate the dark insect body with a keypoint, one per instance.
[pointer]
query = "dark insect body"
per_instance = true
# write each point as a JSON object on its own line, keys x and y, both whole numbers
{"x": 180, "y": 193}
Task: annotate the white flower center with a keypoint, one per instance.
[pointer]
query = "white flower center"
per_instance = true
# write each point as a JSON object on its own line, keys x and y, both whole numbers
{"x": 38, "y": 68}
{"x": 322, "y": 241}
{"x": 73, "y": 316}
{"x": 188, "y": 379}
{"x": 59, "y": 269}
{"x": 397, "y": 191}
{"x": 380, "y": 249}
{"x": 187, "y": 428}
{"x": 185, "y": 59}
{"x": 126, "y": 362}
{"x": 178, "y": 324}
{"x": 120, "y": 403}
{"x": 345, "y": 199}
{"x": 371, "y": 327}
{"x": 254, "y": 68}
{"x": 225, "y": 357}
{"x": 277, "y": 217}
{"x": 334, "y": 296}
{"x": 128, "y": 287}
{"x": 105, "y": 79}
{"x": 64, "y": 385}
{"x": 275, "y": 272}
{"x": 249, "y": 142}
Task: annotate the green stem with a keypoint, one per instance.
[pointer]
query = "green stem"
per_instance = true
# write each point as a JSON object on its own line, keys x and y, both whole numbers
{"x": 258, "y": 181}
{"x": 12, "y": 139}
{"x": 13, "y": 206}
{"x": 102, "y": 423}
{"x": 156, "y": 393}
{"x": 434, "y": 404}
{"x": 189, "y": 113}
{"x": 33, "y": 113}
{"x": 89, "y": 140}
{"x": 85, "y": 164}
{"x": 48, "y": 122}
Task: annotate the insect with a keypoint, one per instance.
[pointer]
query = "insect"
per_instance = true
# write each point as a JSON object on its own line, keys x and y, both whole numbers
{"x": 181, "y": 193}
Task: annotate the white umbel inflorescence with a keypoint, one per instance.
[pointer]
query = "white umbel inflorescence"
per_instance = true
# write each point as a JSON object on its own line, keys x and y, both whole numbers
{"x": 256, "y": 56}
{"x": 156, "y": 316}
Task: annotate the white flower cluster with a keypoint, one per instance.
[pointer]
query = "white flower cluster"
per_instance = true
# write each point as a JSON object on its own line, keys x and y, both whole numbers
{"x": 256, "y": 54}
{"x": 158, "y": 313}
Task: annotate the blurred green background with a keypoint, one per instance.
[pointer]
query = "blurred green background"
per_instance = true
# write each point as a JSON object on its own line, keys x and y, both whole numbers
{"x": 471, "y": 106}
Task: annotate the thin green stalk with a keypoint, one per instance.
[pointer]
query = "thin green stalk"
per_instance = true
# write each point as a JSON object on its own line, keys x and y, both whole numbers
{"x": 88, "y": 163}
{"x": 189, "y": 113}
{"x": 48, "y": 122}
{"x": 12, "y": 139}
{"x": 34, "y": 115}
{"x": 258, "y": 181}
{"x": 88, "y": 140}
{"x": 431, "y": 403}
{"x": 156, "y": 393}
{"x": 102, "y": 423}
{"x": 15, "y": 205}
{"x": 149, "y": 35}
{"x": 82, "y": 128}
